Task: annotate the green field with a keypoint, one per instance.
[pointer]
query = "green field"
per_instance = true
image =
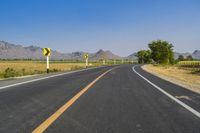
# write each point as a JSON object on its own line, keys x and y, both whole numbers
{"x": 189, "y": 64}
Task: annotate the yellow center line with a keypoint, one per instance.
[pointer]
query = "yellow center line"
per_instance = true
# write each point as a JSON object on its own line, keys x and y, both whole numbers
{"x": 43, "y": 126}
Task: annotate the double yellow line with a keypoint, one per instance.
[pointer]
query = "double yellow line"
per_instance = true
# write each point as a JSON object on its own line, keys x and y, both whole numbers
{"x": 43, "y": 126}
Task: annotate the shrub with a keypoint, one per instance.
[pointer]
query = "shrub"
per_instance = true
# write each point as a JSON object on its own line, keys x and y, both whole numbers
{"x": 9, "y": 72}
{"x": 75, "y": 68}
{"x": 55, "y": 70}
{"x": 23, "y": 71}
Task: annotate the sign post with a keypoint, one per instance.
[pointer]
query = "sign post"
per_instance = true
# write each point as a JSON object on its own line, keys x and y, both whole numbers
{"x": 86, "y": 59}
{"x": 104, "y": 62}
{"x": 47, "y": 64}
{"x": 47, "y": 53}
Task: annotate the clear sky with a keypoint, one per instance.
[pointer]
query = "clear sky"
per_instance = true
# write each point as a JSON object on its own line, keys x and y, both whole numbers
{"x": 122, "y": 26}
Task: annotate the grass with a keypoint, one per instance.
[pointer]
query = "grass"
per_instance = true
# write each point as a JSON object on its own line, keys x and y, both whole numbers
{"x": 22, "y": 68}
{"x": 16, "y": 68}
{"x": 187, "y": 78}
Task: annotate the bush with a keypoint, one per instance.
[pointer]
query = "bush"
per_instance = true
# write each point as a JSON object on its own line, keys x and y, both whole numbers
{"x": 37, "y": 72}
{"x": 75, "y": 68}
{"x": 23, "y": 71}
{"x": 9, "y": 72}
{"x": 55, "y": 70}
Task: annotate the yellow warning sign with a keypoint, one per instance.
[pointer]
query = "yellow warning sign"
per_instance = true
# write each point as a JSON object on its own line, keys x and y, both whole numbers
{"x": 47, "y": 51}
{"x": 86, "y": 55}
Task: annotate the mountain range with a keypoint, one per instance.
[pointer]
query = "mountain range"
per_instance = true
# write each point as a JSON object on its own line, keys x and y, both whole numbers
{"x": 195, "y": 54}
{"x": 12, "y": 51}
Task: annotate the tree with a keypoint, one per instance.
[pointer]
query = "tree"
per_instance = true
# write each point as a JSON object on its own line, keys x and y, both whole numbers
{"x": 162, "y": 52}
{"x": 189, "y": 57}
{"x": 144, "y": 56}
{"x": 180, "y": 57}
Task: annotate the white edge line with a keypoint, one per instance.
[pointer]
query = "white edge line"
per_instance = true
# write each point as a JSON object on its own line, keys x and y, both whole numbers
{"x": 169, "y": 95}
{"x": 29, "y": 81}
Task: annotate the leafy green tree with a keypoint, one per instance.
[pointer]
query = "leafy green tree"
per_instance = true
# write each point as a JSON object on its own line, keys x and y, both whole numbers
{"x": 162, "y": 52}
{"x": 189, "y": 57}
{"x": 171, "y": 55}
{"x": 181, "y": 58}
{"x": 144, "y": 56}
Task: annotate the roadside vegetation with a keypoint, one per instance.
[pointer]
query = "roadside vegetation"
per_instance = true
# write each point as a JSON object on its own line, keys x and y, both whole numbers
{"x": 23, "y": 68}
{"x": 192, "y": 65}
{"x": 17, "y": 68}
{"x": 159, "y": 60}
{"x": 160, "y": 52}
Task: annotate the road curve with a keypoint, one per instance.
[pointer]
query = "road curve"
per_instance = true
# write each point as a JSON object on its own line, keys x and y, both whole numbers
{"x": 119, "y": 102}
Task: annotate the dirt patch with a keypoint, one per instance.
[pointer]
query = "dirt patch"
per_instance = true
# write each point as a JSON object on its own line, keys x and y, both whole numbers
{"x": 184, "y": 78}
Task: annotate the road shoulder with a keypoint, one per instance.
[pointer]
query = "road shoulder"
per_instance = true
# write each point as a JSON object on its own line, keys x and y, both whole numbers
{"x": 182, "y": 79}
{"x": 187, "y": 96}
{"x": 17, "y": 81}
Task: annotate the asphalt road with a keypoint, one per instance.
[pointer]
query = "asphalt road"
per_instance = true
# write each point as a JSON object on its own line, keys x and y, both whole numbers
{"x": 118, "y": 102}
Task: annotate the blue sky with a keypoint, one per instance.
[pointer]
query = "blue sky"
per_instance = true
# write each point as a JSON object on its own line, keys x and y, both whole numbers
{"x": 122, "y": 26}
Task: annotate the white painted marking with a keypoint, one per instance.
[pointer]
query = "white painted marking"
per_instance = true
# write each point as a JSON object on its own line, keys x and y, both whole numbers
{"x": 47, "y": 62}
{"x": 169, "y": 95}
{"x": 183, "y": 97}
{"x": 34, "y": 80}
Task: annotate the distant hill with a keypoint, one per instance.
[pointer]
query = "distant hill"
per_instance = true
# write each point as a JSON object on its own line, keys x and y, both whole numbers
{"x": 196, "y": 54}
{"x": 12, "y": 51}
{"x": 176, "y": 55}
{"x": 101, "y": 54}
{"x": 132, "y": 56}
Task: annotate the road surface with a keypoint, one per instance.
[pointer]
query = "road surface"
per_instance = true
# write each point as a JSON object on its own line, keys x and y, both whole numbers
{"x": 101, "y": 100}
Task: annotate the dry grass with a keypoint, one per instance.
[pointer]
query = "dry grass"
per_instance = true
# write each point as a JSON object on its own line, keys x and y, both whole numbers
{"x": 176, "y": 75}
{"x": 36, "y": 67}
{"x": 31, "y": 66}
